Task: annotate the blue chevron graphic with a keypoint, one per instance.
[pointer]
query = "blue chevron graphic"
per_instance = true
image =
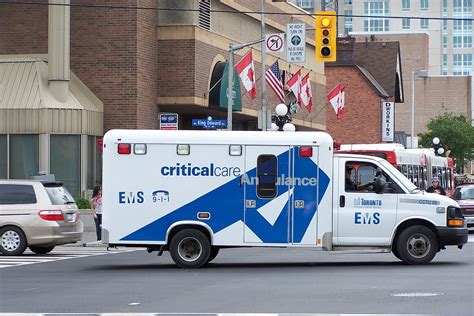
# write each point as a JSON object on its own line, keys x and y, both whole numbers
{"x": 226, "y": 204}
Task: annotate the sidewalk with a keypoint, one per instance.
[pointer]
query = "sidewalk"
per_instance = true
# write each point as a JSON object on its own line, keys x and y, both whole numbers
{"x": 89, "y": 237}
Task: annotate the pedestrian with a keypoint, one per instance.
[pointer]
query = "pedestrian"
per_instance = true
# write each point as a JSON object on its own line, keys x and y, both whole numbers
{"x": 436, "y": 187}
{"x": 96, "y": 204}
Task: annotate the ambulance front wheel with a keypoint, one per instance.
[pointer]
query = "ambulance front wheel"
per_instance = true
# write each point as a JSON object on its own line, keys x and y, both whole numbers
{"x": 190, "y": 248}
{"x": 417, "y": 245}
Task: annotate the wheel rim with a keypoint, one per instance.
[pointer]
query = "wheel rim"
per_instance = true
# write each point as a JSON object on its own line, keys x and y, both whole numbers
{"x": 10, "y": 240}
{"x": 189, "y": 249}
{"x": 419, "y": 245}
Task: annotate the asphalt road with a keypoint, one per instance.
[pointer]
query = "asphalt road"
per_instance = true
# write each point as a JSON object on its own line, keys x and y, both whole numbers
{"x": 244, "y": 280}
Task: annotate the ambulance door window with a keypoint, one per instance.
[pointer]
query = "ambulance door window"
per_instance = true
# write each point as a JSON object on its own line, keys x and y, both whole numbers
{"x": 267, "y": 176}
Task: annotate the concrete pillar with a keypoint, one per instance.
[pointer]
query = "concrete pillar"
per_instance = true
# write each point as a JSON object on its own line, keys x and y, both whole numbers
{"x": 84, "y": 163}
{"x": 44, "y": 150}
{"x": 58, "y": 48}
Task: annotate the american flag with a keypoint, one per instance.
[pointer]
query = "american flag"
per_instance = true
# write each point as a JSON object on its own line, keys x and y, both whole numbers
{"x": 273, "y": 78}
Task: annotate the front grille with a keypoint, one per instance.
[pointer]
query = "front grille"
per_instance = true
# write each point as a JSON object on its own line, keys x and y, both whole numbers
{"x": 468, "y": 211}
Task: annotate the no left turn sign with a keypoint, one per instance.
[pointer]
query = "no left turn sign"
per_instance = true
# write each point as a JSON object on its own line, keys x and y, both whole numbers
{"x": 275, "y": 43}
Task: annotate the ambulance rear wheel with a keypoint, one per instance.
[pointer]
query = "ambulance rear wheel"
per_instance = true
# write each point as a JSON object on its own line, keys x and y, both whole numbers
{"x": 214, "y": 253}
{"x": 417, "y": 245}
{"x": 190, "y": 248}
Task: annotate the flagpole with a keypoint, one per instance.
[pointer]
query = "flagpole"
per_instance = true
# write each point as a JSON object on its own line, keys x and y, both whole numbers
{"x": 264, "y": 92}
{"x": 230, "y": 90}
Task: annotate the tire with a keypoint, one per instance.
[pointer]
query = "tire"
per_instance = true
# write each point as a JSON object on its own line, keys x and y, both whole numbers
{"x": 395, "y": 253}
{"x": 417, "y": 245}
{"x": 12, "y": 241}
{"x": 190, "y": 248}
{"x": 41, "y": 250}
{"x": 214, "y": 253}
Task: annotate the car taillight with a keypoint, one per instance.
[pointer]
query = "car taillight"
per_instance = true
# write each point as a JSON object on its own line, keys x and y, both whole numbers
{"x": 51, "y": 215}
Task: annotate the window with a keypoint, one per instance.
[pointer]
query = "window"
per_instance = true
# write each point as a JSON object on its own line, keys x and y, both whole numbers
{"x": 376, "y": 8}
{"x": 3, "y": 156}
{"x": 445, "y": 7}
{"x": 347, "y": 22}
{"x": 462, "y": 64}
{"x": 424, "y": 5}
{"x": 58, "y": 195}
{"x": 424, "y": 23}
{"x": 445, "y": 65}
{"x": 17, "y": 194}
{"x": 24, "y": 156}
{"x": 267, "y": 176}
{"x": 445, "y": 26}
{"x": 406, "y": 5}
{"x": 406, "y": 24}
{"x": 360, "y": 176}
{"x": 445, "y": 41}
{"x": 94, "y": 163}
{"x": 405, "y": 171}
{"x": 65, "y": 161}
{"x": 305, "y": 3}
{"x": 462, "y": 34}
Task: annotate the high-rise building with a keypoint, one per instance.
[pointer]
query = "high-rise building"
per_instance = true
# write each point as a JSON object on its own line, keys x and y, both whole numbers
{"x": 450, "y": 42}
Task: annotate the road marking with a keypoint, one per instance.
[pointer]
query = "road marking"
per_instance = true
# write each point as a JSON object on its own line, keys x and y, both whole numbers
{"x": 416, "y": 294}
{"x": 59, "y": 253}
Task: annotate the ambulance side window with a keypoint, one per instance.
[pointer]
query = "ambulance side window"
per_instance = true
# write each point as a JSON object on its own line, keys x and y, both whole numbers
{"x": 267, "y": 176}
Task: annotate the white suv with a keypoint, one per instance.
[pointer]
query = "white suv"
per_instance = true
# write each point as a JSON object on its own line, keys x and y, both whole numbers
{"x": 38, "y": 215}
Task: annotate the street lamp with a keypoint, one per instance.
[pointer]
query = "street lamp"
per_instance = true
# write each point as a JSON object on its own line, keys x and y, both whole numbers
{"x": 282, "y": 120}
{"x": 438, "y": 147}
{"x": 415, "y": 74}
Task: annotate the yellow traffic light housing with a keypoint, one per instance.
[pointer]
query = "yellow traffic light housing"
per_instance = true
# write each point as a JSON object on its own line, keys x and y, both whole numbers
{"x": 326, "y": 34}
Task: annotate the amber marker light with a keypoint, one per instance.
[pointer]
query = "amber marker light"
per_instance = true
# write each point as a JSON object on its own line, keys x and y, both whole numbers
{"x": 456, "y": 223}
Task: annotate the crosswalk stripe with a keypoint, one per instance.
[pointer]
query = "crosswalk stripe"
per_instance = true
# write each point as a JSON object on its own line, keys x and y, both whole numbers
{"x": 58, "y": 254}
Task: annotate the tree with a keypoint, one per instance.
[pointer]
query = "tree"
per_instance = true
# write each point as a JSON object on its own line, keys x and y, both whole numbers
{"x": 456, "y": 134}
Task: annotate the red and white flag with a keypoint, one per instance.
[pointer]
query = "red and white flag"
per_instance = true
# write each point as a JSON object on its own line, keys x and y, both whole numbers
{"x": 246, "y": 71}
{"x": 306, "y": 95}
{"x": 294, "y": 85}
{"x": 273, "y": 78}
{"x": 337, "y": 98}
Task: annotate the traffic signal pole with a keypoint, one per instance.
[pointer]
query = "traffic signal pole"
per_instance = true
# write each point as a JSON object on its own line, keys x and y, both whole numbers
{"x": 264, "y": 91}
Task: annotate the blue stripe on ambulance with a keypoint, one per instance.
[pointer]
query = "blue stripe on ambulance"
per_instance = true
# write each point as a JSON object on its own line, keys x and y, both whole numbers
{"x": 227, "y": 203}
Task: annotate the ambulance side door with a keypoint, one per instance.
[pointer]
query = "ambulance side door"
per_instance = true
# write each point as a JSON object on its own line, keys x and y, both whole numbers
{"x": 364, "y": 217}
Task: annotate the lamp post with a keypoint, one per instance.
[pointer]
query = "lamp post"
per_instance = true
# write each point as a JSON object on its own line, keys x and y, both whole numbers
{"x": 415, "y": 74}
{"x": 282, "y": 120}
{"x": 438, "y": 147}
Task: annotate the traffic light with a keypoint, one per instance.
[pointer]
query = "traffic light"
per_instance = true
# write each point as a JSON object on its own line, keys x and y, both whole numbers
{"x": 326, "y": 33}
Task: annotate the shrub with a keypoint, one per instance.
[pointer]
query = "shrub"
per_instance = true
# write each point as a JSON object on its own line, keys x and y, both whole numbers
{"x": 83, "y": 203}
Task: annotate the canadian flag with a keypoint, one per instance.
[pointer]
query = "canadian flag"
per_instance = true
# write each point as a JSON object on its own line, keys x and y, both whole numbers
{"x": 294, "y": 85}
{"x": 246, "y": 71}
{"x": 306, "y": 95}
{"x": 337, "y": 98}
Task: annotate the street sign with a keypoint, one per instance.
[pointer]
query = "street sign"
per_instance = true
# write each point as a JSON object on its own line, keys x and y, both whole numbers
{"x": 388, "y": 121}
{"x": 209, "y": 123}
{"x": 168, "y": 121}
{"x": 275, "y": 43}
{"x": 296, "y": 43}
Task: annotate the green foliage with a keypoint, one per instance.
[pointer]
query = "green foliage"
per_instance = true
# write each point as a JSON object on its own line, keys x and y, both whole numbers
{"x": 83, "y": 203}
{"x": 456, "y": 134}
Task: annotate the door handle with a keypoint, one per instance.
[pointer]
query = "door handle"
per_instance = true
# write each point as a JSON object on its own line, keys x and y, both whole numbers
{"x": 342, "y": 201}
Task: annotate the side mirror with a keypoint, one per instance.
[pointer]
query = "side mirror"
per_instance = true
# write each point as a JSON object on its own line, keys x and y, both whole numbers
{"x": 379, "y": 185}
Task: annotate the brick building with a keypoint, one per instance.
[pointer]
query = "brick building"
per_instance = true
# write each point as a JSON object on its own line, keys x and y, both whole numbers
{"x": 432, "y": 94}
{"x": 139, "y": 63}
{"x": 371, "y": 74}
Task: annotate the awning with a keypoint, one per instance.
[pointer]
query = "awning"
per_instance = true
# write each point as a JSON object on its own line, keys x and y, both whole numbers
{"x": 27, "y": 106}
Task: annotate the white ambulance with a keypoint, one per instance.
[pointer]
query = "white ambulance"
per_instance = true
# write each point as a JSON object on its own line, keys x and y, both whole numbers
{"x": 194, "y": 192}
